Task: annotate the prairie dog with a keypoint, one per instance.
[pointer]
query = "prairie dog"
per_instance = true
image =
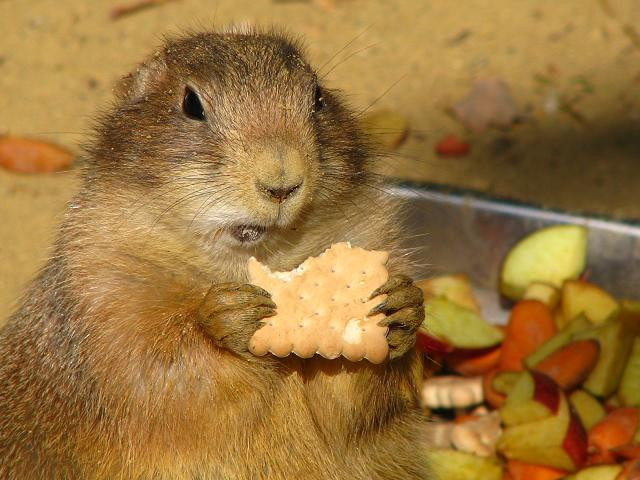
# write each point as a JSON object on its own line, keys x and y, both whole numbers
{"x": 128, "y": 356}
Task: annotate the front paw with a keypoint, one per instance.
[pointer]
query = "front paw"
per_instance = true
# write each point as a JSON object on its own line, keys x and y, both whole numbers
{"x": 404, "y": 310}
{"x": 232, "y": 312}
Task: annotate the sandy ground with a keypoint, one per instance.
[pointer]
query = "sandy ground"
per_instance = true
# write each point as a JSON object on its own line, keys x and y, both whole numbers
{"x": 59, "y": 59}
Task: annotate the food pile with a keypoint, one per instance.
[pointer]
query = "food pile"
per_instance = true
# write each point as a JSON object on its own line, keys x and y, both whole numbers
{"x": 554, "y": 394}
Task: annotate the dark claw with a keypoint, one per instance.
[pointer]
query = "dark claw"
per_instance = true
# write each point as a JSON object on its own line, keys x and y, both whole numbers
{"x": 408, "y": 319}
{"x": 399, "y": 299}
{"x": 381, "y": 307}
{"x": 265, "y": 312}
{"x": 254, "y": 289}
{"x": 392, "y": 283}
{"x": 399, "y": 343}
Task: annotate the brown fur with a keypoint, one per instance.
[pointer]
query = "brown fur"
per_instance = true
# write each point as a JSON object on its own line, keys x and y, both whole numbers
{"x": 106, "y": 371}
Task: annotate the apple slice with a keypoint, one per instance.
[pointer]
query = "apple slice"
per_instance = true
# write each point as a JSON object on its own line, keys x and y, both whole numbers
{"x": 533, "y": 397}
{"x": 450, "y": 464}
{"x": 456, "y": 288}
{"x": 549, "y": 255}
{"x": 429, "y": 344}
{"x": 570, "y": 365}
{"x": 559, "y": 340}
{"x": 543, "y": 292}
{"x": 558, "y": 441}
{"x": 503, "y": 382}
{"x": 599, "y": 472}
{"x": 629, "y": 391}
{"x": 491, "y": 396}
{"x": 459, "y": 326}
{"x": 588, "y": 408}
{"x": 584, "y": 297}
{"x": 615, "y": 341}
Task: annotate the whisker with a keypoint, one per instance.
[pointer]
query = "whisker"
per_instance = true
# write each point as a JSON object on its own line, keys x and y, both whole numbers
{"x": 344, "y": 59}
{"x": 362, "y": 112}
{"x": 350, "y": 42}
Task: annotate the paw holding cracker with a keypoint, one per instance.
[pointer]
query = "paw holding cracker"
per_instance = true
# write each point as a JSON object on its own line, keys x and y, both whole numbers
{"x": 322, "y": 306}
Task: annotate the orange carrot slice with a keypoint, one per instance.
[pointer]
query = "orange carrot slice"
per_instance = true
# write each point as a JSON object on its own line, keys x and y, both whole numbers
{"x": 527, "y": 471}
{"x": 530, "y": 325}
{"x": 571, "y": 364}
{"x": 473, "y": 362}
{"x": 32, "y": 156}
{"x": 614, "y": 430}
{"x": 631, "y": 470}
{"x": 628, "y": 452}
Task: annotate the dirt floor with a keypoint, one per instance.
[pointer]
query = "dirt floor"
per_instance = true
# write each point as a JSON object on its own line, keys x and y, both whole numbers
{"x": 573, "y": 69}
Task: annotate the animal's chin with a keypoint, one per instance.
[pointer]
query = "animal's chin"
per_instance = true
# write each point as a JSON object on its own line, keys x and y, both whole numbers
{"x": 248, "y": 234}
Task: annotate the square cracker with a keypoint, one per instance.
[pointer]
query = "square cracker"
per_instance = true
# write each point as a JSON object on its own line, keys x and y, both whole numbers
{"x": 322, "y": 306}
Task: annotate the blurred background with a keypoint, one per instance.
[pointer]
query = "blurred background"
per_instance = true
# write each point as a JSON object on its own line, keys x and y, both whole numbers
{"x": 534, "y": 100}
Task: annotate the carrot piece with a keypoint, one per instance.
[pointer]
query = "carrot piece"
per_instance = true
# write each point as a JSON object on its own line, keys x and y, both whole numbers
{"x": 527, "y": 471}
{"x": 614, "y": 430}
{"x": 474, "y": 362}
{"x": 571, "y": 364}
{"x": 631, "y": 470}
{"x": 32, "y": 156}
{"x": 531, "y": 324}
{"x": 492, "y": 396}
{"x": 629, "y": 452}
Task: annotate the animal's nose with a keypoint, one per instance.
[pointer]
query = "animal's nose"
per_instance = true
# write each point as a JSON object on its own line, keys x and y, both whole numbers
{"x": 278, "y": 193}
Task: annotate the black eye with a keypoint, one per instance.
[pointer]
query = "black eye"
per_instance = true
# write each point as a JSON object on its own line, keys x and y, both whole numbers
{"x": 192, "y": 106}
{"x": 318, "y": 101}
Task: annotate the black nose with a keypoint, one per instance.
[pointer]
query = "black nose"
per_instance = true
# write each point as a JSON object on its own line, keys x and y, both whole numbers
{"x": 279, "y": 194}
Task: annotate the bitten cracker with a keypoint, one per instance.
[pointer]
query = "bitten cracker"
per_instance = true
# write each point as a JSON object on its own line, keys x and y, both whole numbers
{"x": 322, "y": 306}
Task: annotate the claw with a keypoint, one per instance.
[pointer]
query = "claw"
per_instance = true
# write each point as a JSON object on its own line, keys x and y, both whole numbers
{"x": 399, "y": 299}
{"x": 392, "y": 283}
{"x": 407, "y": 319}
{"x": 255, "y": 289}
{"x": 381, "y": 307}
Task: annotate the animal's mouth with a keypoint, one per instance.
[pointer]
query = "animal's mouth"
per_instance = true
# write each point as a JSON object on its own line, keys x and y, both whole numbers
{"x": 247, "y": 234}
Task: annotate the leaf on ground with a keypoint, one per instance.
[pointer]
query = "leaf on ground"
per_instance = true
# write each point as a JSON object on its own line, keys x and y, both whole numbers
{"x": 488, "y": 104}
{"x": 452, "y": 146}
{"x": 32, "y": 156}
{"x": 389, "y": 128}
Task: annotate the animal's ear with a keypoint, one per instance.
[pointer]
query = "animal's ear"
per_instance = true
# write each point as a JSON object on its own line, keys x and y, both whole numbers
{"x": 136, "y": 84}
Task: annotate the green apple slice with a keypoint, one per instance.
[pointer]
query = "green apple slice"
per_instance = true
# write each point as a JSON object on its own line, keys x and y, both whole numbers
{"x": 503, "y": 382}
{"x": 459, "y": 326}
{"x": 456, "y": 288}
{"x": 533, "y": 397}
{"x": 450, "y": 464}
{"x": 550, "y": 255}
{"x": 543, "y": 292}
{"x": 629, "y": 391}
{"x": 598, "y": 472}
{"x": 588, "y": 408}
{"x": 580, "y": 297}
{"x": 616, "y": 341}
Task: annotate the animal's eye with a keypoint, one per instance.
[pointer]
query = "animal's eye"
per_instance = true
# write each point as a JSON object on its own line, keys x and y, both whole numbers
{"x": 192, "y": 106}
{"x": 318, "y": 100}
